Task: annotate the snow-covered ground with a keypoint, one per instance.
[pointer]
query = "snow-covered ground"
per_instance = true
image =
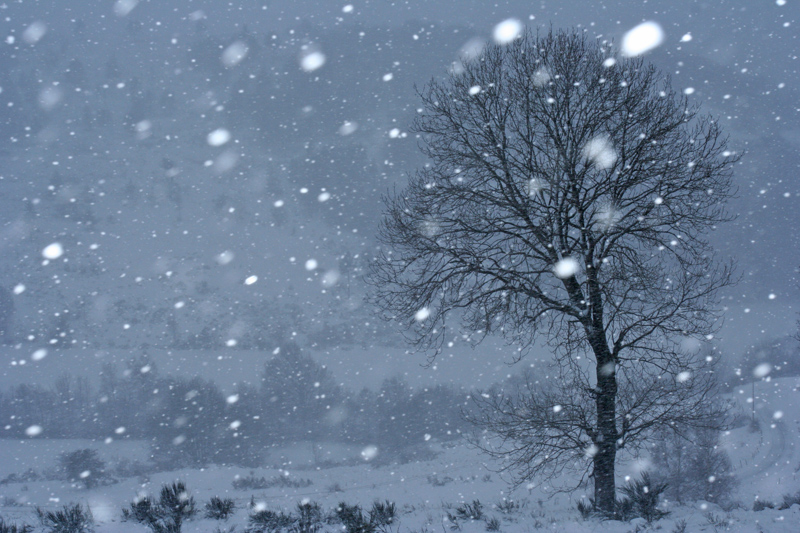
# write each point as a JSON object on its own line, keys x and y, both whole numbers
{"x": 766, "y": 464}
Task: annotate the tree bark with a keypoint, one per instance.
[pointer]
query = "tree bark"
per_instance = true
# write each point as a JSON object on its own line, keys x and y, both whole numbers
{"x": 606, "y": 441}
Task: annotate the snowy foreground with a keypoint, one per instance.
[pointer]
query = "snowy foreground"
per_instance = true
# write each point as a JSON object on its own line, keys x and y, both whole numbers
{"x": 766, "y": 463}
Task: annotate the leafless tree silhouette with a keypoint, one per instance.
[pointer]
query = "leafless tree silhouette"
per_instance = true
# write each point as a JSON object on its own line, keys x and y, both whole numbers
{"x": 568, "y": 197}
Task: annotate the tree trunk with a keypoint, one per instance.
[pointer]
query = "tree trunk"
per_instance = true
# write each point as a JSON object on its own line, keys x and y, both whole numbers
{"x": 606, "y": 441}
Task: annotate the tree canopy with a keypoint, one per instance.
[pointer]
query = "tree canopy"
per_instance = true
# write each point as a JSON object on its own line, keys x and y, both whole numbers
{"x": 567, "y": 198}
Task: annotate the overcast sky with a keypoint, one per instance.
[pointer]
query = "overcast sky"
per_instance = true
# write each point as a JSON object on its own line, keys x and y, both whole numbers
{"x": 738, "y": 58}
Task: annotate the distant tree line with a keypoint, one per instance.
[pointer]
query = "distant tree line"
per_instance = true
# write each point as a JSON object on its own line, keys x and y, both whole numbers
{"x": 191, "y": 422}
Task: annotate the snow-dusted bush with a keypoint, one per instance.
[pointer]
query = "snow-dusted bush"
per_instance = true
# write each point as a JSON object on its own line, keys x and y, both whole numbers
{"x": 174, "y": 507}
{"x": 219, "y": 509}
{"x": 69, "y": 519}
{"x": 84, "y": 466}
{"x": 644, "y": 495}
{"x": 8, "y": 527}
{"x": 693, "y": 466}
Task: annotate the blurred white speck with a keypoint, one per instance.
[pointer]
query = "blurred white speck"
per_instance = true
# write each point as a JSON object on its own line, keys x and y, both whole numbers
{"x": 218, "y": 137}
{"x": 394, "y": 133}
{"x": 600, "y": 151}
{"x": 762, "y": 370}
{"x": 772, "y": 296}
{"x": 347, "y": 128}
{"x": 388, "y": 77}
{"x": 507, "y": 31}
{"x": 49, "y": 97}
{"x": 303, "y": 190}
{"x": 225, "y": 257}
{"x": 610, "y": 62}
{"x": 120, "y": 430}
{"x": 686, "y": 38}
{"x": 330, "y": 278}
{"x": 180, "y": 439}
{"x": 226, "y": 161}
{"x": 427, "y": 436}
{"x": 566, "y": 268}
{"x": 145, "y": 369}
{"x": 230, "y": 343}
{"x": 591, "y": 450}
{"x": 234, "y": 54}
{"x": 422, "y": 314}
{"x": 19, "y": 288}
{"x": 34, "y": 430}
{"x": 541, "y": 77}
{"x": 233, "y": 398}
{"x": 236, "y": 424}
{"x": 123, "y": 7}
{"x": 472, "y": 49}
{"x": 278, "y": 203}
{"x": 475, "y": 89}
{"x": 688, "y": 90}
{"x": 34, "y": 32}
{"x": 39, "y": 354}
{"x": 658, "y": 200}
{"x": 312, "y": 60}
{"x": 370, "y": 452}
{"x": 53, "y": 251}
{"x": 683, "y": 376}
{"x": 250, "y": 280}
{"x": 642, "y": 38}
{"x": 780, "y": 2}
{"x": 348, "y": 8}
{"x": 777, "y": 415}
{"x": 311, "y": 264}
{"x": 324, "y": 197}
{"x": 179, "y": 305}
{"x": 557, "y": 408}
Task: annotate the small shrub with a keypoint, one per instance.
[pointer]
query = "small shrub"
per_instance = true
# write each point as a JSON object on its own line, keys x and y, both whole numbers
{"x": 176, "y": 503}
{"x": 509, "y": 506}
{"x": 680, "y": 526}
{"x": 585, "y": 508}
{"x": 353, "y": 519}
{"x": 140, "y": 510}
{"x": 492, "y": 524}
{"x": 383, "y": 513}
{"x": 267, "y": 521}
{"x": 309, "y": 517}
{"x": 336, "y": 487}
{"x": 789, "y": 500}
{"x": 174, "y": 506}
{"x": 470, "y": 511}
{"x": 252, "y": 482}
{"x": 436, "y": 482}
{"x": 716, "y": 520}
{"x": 84, "y": 466}
{"x": 643, "y": 495}
{"x": 69, "y": 519}
{"x": 28, "y": 476}
{"x": 219, "y": 509}
{"x": 760, "y": 505}
{"x": 624, "y": 510}
{"x": 6, "y": 527}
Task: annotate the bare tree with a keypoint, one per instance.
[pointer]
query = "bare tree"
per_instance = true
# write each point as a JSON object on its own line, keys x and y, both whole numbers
{"x": 568, "y": 197}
